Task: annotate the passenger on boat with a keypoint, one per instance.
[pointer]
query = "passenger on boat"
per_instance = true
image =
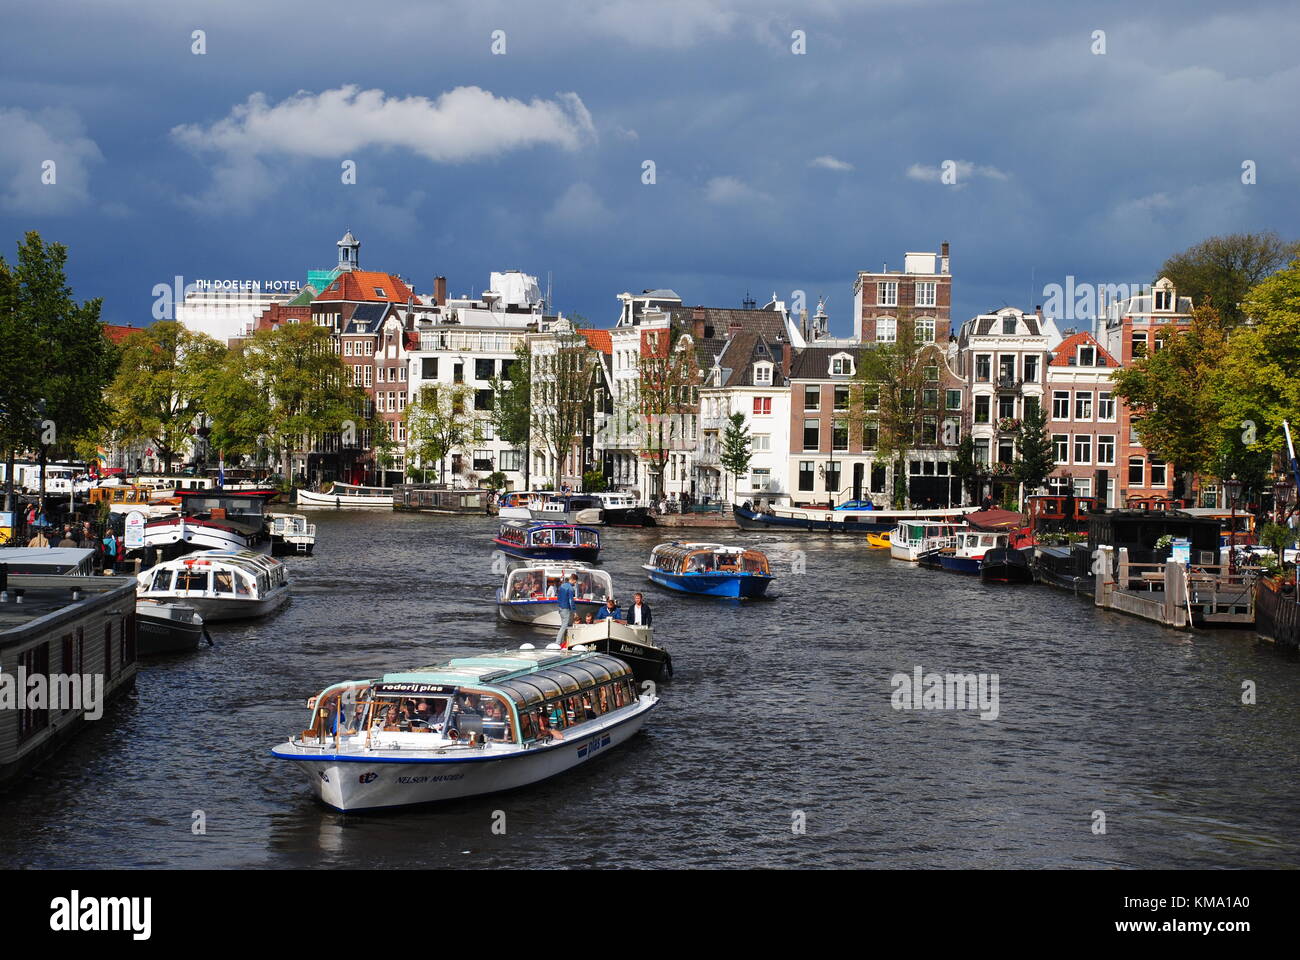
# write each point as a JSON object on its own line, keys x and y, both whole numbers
{"x": 545, "y": 729}
{"x": 423, "y": 717}
{"x": 611, "y": 611}
{"x": 639, "y": 614}
{"x": 564, "y": 600}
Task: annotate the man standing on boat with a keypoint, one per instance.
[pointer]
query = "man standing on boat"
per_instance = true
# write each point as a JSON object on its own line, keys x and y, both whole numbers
{"x": 611, "y": 611}
{"x": 638, "y": 615}
{"x": 564, "y": 600}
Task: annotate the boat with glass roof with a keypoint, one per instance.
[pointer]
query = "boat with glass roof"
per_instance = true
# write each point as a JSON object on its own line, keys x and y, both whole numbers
{"x": 536, "y": 540}
{"x": 473, "y": 726}
{"x": 710, "y": 569}
{"x": 528, "y": 593}
{"x": 219, "y": 584}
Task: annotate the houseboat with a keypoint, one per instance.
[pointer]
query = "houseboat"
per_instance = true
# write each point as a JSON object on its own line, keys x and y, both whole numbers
{"x": 966, "y": 555}
{"x": 78, "y": 631}
{"x": 633, "y": 645}
{"x": 347, "y": 496}
{"x": 164, "y": 486}
{"x": 527, "y": 595}
{"x": 290, "y": 534}
{"x": 219, "y": 584}
{"x": 474, "y": 726}
{"x": 438, "y": 499}
{"x": 710, "y": 569}
{"x": 912, "y": 538}
{"x": 209, "y": 520}
{"x": 124, "y": 498}
{"x": 167, "y": 627}
{"x": 530, "y": 540}
{"x": 822, "y": 520}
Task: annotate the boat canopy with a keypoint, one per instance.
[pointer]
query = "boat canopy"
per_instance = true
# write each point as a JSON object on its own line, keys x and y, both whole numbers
{"x": 543, "y": 534}
{"x": 702, "y": 557}
{"x": 539, "y": 582}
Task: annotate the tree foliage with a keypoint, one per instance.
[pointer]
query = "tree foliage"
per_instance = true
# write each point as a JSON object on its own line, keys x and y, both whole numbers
{"x": 1036, "y": 457}
{"x": 889, "y": 386}
{"x": 667, "y": 379}
{"x": 736, "y": 454}
{"x": 562, "y": 375}
{"x": 1223, "y": 269}
{"x": 439, "y": 422}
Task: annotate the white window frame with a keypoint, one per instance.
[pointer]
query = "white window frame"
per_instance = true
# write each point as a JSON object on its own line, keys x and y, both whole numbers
{"x": 927, "y": 293}
{"x": 886, "y": 293}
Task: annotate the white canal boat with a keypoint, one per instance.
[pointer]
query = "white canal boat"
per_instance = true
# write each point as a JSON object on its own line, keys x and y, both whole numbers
{"x": 473, "y": 726}
{"x": 219, "y": 584}
{"x": 528, "y": 593}
{"x": 290, "y": 534}
{"x": 347, "y": 496}
{"x": 912, "y": 538}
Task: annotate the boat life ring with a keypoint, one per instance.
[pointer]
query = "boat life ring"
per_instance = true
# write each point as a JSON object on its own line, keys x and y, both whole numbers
{"x": 453, "y": 734}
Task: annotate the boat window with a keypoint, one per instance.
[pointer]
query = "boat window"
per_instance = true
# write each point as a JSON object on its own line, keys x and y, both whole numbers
{"x": 192, "y": 580}
{"x": 223, "y": 581}
{"x": 243, "y": 584}
{"x": 162, "y": 581}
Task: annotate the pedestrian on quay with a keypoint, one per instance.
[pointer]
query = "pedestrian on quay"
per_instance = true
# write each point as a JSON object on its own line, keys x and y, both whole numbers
{"x": 68, "y": 540}
{"x": 110, "y": 550}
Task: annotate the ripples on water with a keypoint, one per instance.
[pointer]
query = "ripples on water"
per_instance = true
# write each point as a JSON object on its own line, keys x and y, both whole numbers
{"x": 778, "y": 706}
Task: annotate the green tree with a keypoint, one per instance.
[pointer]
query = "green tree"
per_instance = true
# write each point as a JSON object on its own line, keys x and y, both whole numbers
{"x": 1037, "y": 458}
{"x": 1171, "y": 391}
{"x": 1258, "y": 384}
{"x": 736, "y": 454}
{"x": 440, "y": 421}
{"x": 512, "y": 400}
{"x": 892, "y": 376}
{"x": 284, "y": 391}
{"x": 1222, "y": 270}
{"x": 164, "y": 372}
{"x": 964, "y": 467}
{"x": 667, "y": 382}
{"x": 593, "y": 481}
{"x": 56, "y": 361}
{"x": 562, "y": 376}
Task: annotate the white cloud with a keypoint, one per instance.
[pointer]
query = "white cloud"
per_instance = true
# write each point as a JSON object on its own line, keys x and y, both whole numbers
{"x": 827, "y": 162}
{"x": 578, "y": 208}
{"x": 30, "y": 140}
{"x": 731, "y": 190}
{"x": 964, "y": 169}
{"x": 467, "y": 123}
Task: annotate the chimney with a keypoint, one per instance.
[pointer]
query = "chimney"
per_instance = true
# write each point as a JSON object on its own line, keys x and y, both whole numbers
{"x": 1038, "y": 312}
{"x": 943, "y": 257}
{"x": 697, "y": 323}
{"x": 440, "y": 291}
{"x": 734, "y": 327}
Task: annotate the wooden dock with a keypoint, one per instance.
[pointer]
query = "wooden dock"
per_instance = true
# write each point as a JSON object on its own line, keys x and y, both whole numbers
{"x": 1169, "y": 594}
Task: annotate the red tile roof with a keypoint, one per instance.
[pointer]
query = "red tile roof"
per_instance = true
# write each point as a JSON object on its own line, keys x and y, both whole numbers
{"x": 598, "y": 340}
{"x": 117, "y": 332}
{"x": 1070, "y": 345}
{"x": 362, "y": 284}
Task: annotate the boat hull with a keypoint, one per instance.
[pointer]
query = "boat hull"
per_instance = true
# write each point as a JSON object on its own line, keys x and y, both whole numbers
{"x": 377, "y": 780}
{"x": 966, "y": 565}
{"x": 280, "y": 547}
{"x": 176, "y": 536}
{"x": 233, "y": 608}
{"x": 814, "y": 521}
{"x": 161, "y": 634}
{"x": 578, "y": 554}
{"x": 630, "y": 644}
{"x": 1005, "y": 565}
{"x": 718, "y": 584}
{"x": 308, "y": 498}
{"x": 541, "y": 613}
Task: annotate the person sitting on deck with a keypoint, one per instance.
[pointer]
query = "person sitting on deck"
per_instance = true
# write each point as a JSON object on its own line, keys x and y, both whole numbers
{"x": 394, "y": 720}
{"x": 423, "y": 718}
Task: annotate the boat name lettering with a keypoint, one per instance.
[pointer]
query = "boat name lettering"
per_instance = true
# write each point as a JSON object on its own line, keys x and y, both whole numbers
{"x": 411, "y": 689}
{"x": 440, "y": 778}
{"x": 591, "y": 747}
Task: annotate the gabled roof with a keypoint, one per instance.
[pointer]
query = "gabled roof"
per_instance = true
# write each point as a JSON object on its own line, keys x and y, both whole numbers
{"x": 741, "y": 352}
{"x": 363, "y": 284}
{"x": 367, "y": 318}
{"x": 814, "y": 363}
{"x": 117, "y": 332}
{"x": 1062, "y": 355}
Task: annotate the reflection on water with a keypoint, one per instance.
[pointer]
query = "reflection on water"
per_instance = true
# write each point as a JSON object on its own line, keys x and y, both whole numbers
{"x": 778, "y": 708}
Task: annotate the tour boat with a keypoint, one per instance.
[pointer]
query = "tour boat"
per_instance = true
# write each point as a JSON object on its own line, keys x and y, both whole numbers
{"x": 1006, "y": 565}
{"x": 167, "y": 627}
{"x": 210, "y": 520}
{"x": 474, "y": 726}
{"x": 548, "y": 541}
{"x": 709, "y": 569}
{"x": 219, "y": 584}
{"x": 822, "y": 520}
{"x": 633, "y": 645}
{"x": 911, "y": 538}
{"x": 347, "y": 495}
{"x": 967, "y": 554}
{"x": 291, "y": 534}
{"x": 514, "y": 506}
{"x": 622, "y": 510}
{"x": 568, "y": 508}
{"x": 527, "y": 595}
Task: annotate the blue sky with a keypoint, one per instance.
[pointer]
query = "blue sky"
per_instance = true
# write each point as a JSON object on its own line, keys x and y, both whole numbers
{"x": 774, "y": 171}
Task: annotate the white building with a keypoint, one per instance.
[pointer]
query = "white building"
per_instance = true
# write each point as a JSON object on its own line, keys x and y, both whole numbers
{"x": 225, "y": 314}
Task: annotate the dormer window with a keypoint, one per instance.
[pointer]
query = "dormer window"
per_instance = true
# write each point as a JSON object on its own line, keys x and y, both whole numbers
{"x": 1164, "y": 300}
{"x": 1087, "y": 357}
{"x": 841, "y": 365}
{"x": 763, "y": 374}
{"x": 1009, "y": 326}
{"x": 379, "y": 292}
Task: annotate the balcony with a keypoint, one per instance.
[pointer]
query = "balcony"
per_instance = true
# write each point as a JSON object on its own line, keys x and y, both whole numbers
{"x": 1009, "y": 385}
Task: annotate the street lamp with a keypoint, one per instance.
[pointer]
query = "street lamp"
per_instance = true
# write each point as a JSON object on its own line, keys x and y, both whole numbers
{"x": 1232, "y": 488}
{"x": 1283, "y": 487}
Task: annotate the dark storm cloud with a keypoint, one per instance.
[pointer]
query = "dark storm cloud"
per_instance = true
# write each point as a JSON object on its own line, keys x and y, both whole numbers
{"x": 774, "y": 171}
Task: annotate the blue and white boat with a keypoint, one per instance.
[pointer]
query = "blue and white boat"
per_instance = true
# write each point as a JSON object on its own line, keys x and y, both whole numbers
{"x": 968, "y": 555}
{"x": 537, "y": 540}
{"x": 710, "y": 569}
{"x": 472, "y": 726}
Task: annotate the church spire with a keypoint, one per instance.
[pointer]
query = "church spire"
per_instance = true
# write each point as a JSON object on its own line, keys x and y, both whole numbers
{"x": 349, "y": 252}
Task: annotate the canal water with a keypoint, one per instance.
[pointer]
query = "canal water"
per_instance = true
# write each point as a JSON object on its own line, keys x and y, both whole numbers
{"x": 776, "y": 745}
